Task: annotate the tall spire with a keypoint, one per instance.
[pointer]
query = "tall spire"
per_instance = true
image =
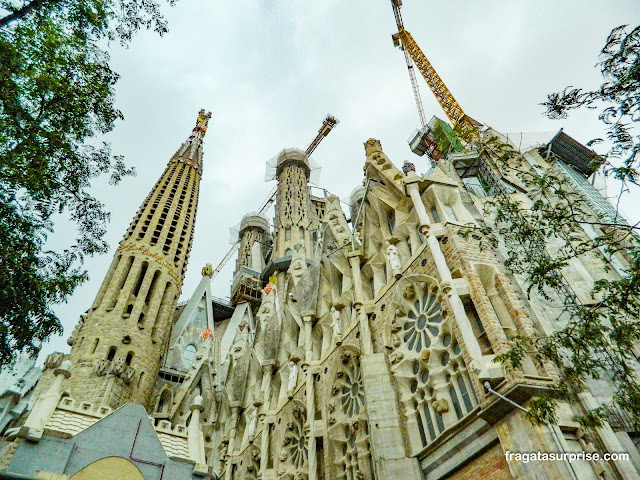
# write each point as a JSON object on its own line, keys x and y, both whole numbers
{"x": 118, "y": 346}
{"x": 190, "y": 152}
{"x": 292, "y": 202}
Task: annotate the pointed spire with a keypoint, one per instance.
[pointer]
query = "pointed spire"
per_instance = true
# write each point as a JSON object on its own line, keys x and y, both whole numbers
{"x": 190, "y": 152}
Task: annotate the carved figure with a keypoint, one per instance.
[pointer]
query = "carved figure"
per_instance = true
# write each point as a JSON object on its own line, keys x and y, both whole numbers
{"x": 207, "y": 270}
{"x": 409, "y": 291}
{"x": 336, "y": 326}
{"x": 440, "y": 406}
{"x": 240, "y": 344}
{"x": 408, "y": 167}
{"x": 128, "y": 374}
{"x": 293, "y": 378}
{"x": 252, "y": 421}
{"x": 54, "y": 360}
{"x": 394, "y": 259}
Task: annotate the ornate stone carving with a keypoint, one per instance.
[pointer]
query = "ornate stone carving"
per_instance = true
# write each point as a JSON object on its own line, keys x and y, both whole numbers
{"x": 54, "y": 360}
{"x": 101, "y": 367}
{"x": 436, "y": 390}
{"x": 408, "y": 167}
{"x": 117, "y": 366}
{"x": 128, "y": 374}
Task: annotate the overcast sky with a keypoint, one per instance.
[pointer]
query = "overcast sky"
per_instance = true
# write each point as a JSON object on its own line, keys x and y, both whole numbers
{"x": 271, "y": 70}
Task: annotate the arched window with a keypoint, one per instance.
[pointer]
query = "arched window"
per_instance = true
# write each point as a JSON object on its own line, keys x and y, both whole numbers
{"x": 112, "y": 353}
{"x": 189, "y": 355}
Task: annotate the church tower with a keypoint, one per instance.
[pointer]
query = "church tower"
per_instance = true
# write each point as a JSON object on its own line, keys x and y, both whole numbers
{"x": 119, "y": 344}
{"x": 292, "y": 202}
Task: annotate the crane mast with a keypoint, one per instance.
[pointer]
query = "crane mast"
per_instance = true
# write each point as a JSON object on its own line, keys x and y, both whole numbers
{"x": 445, "y": 98}
{"x": 327, "y": 125}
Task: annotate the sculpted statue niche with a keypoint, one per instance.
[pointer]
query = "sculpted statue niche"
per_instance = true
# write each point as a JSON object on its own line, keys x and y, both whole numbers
{"x": 303, "y": 281}
{"x": 269, "y": 324}
{"x": 240, "y": 345}
{"x": 393, "y": 256}
{"x": 336, "y": 325}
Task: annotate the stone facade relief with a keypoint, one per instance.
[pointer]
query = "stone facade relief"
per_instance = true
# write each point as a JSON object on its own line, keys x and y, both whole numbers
{"x": 435, "y": 387}
{"x": 347, "y": 423}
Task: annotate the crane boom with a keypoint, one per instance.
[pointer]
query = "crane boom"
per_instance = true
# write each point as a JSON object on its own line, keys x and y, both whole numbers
{"x": 445, "y": 98}
{"x": 327, "y": 125}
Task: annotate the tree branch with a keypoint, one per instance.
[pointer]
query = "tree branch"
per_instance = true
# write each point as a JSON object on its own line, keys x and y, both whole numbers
{"x": 18, "y": 14}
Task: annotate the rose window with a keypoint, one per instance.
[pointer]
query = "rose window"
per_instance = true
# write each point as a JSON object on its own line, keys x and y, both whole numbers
{"x": 436, "y": 391}
{"x": 423, "y": 322}
{"x": 294, "y": 451}
{"x": 298, "y": 447}
{"x": 351, "y": 392}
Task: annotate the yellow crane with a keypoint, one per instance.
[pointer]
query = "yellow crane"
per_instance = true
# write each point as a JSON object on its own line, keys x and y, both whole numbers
{"x": 413, "y": 54}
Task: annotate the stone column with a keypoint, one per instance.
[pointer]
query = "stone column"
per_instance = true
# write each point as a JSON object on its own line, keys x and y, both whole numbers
{"x": 468, "y": 337}
{"x": 195, "y": 439}
{"x": 311, "y": 442}
{"x": 266, "y": 392}
{"x": 307, "y": 318}
{"x": 235, "y": 408}
{"x": 625, "y": 468}
{"x": 414, "y": 192}
{"x": 46, "y": 405}
{"x": 365, "y": 331}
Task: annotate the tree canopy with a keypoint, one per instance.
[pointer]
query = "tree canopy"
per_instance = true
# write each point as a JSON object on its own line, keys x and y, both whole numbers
{"x": 56, "y": 99}
{"x": 600, "y": 337}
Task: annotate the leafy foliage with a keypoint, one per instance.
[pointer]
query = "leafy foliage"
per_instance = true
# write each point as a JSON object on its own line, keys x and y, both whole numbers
{"x": 619, "y": 96}
{"x": 596, "y": 337}
{"x": 56, "y": 95}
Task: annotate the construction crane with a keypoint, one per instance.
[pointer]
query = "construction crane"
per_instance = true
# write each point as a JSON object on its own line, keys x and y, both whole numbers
{"x": 413, "y": 54}
{"x": 327, "y": 125}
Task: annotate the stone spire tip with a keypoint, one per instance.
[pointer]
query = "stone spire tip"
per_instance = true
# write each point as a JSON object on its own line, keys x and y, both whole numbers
{"x": 201, "y": 124}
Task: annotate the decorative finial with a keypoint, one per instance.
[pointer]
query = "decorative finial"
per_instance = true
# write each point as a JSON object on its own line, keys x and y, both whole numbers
{"x": 201, "y": 123}
{"x": 408, "y": 167}
{"x": 207, "y": 270}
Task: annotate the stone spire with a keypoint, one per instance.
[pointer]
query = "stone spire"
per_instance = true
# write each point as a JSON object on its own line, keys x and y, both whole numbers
{"x": 118, "y": 346}
{"x": 292, "y": 202}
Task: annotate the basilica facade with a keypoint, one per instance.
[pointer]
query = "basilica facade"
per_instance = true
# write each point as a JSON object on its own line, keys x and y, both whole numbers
{"x": 359, "y": 342}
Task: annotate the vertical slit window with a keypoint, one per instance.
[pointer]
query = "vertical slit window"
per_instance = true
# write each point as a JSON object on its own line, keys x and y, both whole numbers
{"x": 427, "y": 415}
{"x": 439, "y": 422}
{"x": 423, "y": 436}
{"x": 141, "y": 274}
{"x": 152, "y": 287}
{"x": 391, "y": 220}
{"x": 456, "y": 403}
{"x": 435, "y": 215}
{"x": 464, "y": 392}
{"x": 450, "y": 213}
{"x": 163, "y": 308}
{"x": 123, "y": 278}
